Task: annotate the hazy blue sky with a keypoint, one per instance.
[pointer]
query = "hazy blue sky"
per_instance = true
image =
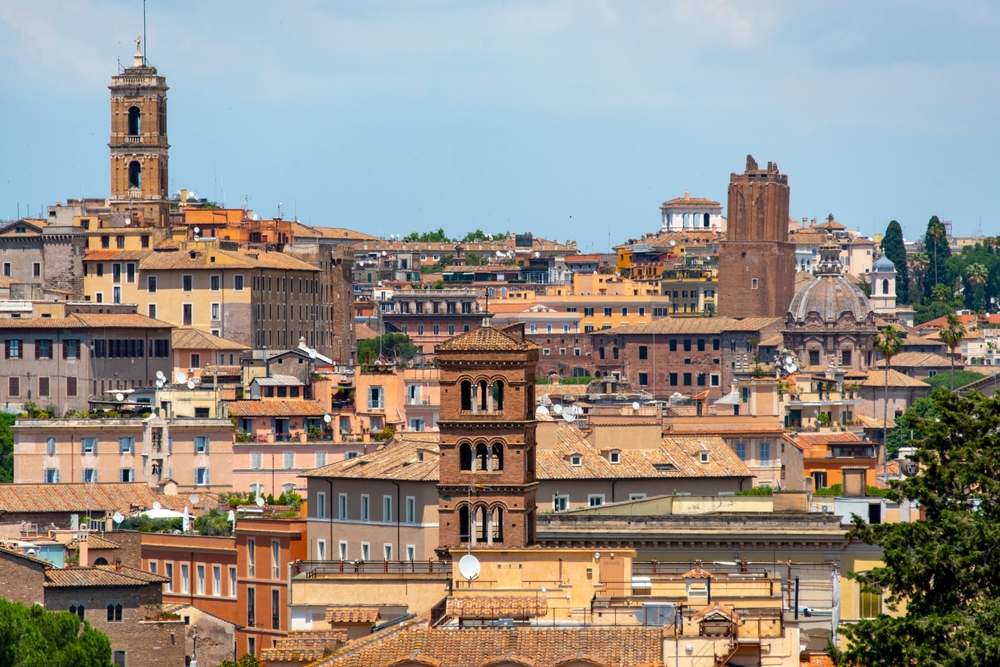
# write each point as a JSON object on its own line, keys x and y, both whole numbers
{"x": 571, "y": 119}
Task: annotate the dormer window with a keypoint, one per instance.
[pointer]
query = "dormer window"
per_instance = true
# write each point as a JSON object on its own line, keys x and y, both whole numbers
{"x": 616, "y": 456}
{"x": 576, "y": 460}
{"x": 704, "y": 457}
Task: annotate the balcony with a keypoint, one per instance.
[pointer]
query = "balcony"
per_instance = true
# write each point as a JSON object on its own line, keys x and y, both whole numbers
{"x": 133, "y": 139}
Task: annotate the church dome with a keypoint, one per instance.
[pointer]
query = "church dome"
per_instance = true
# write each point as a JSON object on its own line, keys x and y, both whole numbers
{"x": 883, "y": 265}
{"x": 830, "y": 294}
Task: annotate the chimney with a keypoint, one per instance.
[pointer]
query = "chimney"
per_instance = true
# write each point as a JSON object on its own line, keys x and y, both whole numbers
{"x": 83, "y": 549}
{"x": 687, "y": 194}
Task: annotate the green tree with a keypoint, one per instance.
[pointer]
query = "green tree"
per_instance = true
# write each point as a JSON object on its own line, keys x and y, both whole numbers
{"x": 394, "y": 348}
{"x": 214, "y": 523}
{"x": 478, "y": 236}
{"x": 917, "y": 267}
{"x": 938, "y": 252}
{"x": 952, "y": 334}
{"x": 976, "y": 276}
{"x": 34, "y": 637}
{"x": 892, "y": 246}
{"x": 958, "y": 378}
{"x": 6, "y": 447}
{"x": 475, "y": 259}
{"x": 906, "y": 430}
{"x": 428, "y": 237}
{"x": 246, "y": 660}
{"x": 943, "y": 567}
{"x": 888, "y": 343}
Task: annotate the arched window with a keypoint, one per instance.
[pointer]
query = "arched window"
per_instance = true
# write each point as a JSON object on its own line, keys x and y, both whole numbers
{"x": 483, "y": 457}
{"x": 483, "y": 395}
{"x": 466, "y": 395}
{"x": 498, "y": 396}
{"x": 114, "y": 612}
{"x": 134, "y": 174}
{"x": 496, "y": 456}
{"x": 465, "y": 456}
{"x": 101, "y": 561}
{"x": 463, "y": 523}
{"x": 496, "y": 525}
{"x": 885, "y": 287}
{"x": 482, "y": 524}
{"x": 707, "y": 218}
{"x": 134, "y": 121}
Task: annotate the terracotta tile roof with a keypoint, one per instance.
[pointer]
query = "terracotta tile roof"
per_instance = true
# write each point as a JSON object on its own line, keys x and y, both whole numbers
{"x": 86, "y": 321}
{"x": 677, "y": 456}
{"x": 31, "y": 559}
{"x": 115, "y": 255}
{"x": 844, "y": 437}
{"x": 472, "y": 647}
{"x": 497, "y": 607}
{"x": 304, "y": 646}
{"x": 352, "y": 614}
{"x": 510, "y": 307}
{"x": 167, "y": 244}
{"x": 275, "y": 408}
{"x": 95, "y": 542}
{"x": 99, "y": 576}
{"x": 398, "y": 459}
{"x": 560, "y": 390}
{"x": 816, "y": 661}
{"x": 187, "y": 338}
{"x": 896, "y": 379}
{"x": 694, "y": 325}
{"x": 699, "y": 202}
{"x": 485, "y": 339}
{"x": 916, "y": 360}
{"x": 364, "y": 332}
{"x": 6, "y": 282}
{"x": 202, "y": 260}
{"x": 27, "y": 498}
{"x": 309, "y": 231}
{"x": 222, "y": 371}
{"x": 875, "y": 422}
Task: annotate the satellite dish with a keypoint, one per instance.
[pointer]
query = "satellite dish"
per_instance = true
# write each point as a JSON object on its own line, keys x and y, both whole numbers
{"x": 157, "y": 506}
{"x": 557, "y": 409}
{"x": 159, "y": 384}
{"x": 190, "y": 384}
{"x": 259, "y": 501}
{"x": 635, "y": 406}
{"x": 383, "y": 253}
{"x": 193, "y": 498}
{"x": 909, "y": 468}
{"x": 179, "y": 377}
{"x": 118, "y": 518}
{"x": 160, "y": 375}
{"x": 197, "y": 230}
{"x": 538, "y": 254}
{"x": 571, "y": 410}
{"x": 119, "y": 397}
{"x": 541, "y": 410}
{"x": 568, "y": 416}
{"x": 469, "y": 567}
{"x": 327, "y": 418}
{"x": 231, "y": 516}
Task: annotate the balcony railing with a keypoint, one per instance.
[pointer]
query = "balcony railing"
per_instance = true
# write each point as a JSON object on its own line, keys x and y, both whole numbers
{"x": 374, "y": 569}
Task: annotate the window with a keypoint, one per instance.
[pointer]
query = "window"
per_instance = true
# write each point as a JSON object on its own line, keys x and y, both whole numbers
{"x": 870, "y": 603}
{"x": 615, "y": 456}
{"x": 753, "y": 283}
{"x": 215, "y": 311}
{"x": 256, "y": 460}
{"x": 365, "y": 551}
{"x": 560, "y": 503}
{"x": 232, "y": 581}
{"x": 576, "y": 460}
{"x": 88, "y": 445}
{"x": 201, "y": 444}
{"x": 275, "y": 559}
{"x": 704, "y": 457}
{"x": 687, "y": 379}
{"x": 387, "y": 509}
{"x": 215, "y": 283}
{"x": 845, "y": 357}
{"x": 251, "y": 558}
{"x": 200, "y": 570}
{"x": 51, "y": 476}
{"x": 145, "y": 241}
{"x": 673, "y": 379}
{"x": 342, "y": 548}
{"x": 595, "y": 499}
{"x": 607, "y": 312}
{"x": 13, "y": 350}
{"x": 376, "y": 398}
{"x": 50, "y": 446}
{"x": 588, "y": 312}
{"x": 185, "y": 578}
{"x": 642, "y": 312}
{"x": 411, "y": 509}
{"x": 643, "y": 352}
{"x": 188, "y": 314}
{"x": 237, "y": 283}
{"x": 7, "y": 269}
{"x": 126, "y": 475}
{"x": 275, "y": 609}
{"x": 151, "y": 310}
{"x": 411, "y": 552}
{"x": 201, "y": 477}
{"x": 387, "y": 551}
{"x": 320, "y": 459}
{"x": 764, "y": 449}
{"x": 364, "y": 507}
{"x": 687, "y": 345}
{"x": 819, "y": 480}
{"x": 120, "y": 242}
{"x": 36, "y": 269}
{"x": 152, "y": 566}
{"x": 216, "y": 579}
{"x": 126, "y": 445}
{"x": 701, "y": 344}
{"x": 643, "y": 379}
{"x": 342, "y": 506}
{"x": 814, "y": 357}
{"x": 187, "y": 282}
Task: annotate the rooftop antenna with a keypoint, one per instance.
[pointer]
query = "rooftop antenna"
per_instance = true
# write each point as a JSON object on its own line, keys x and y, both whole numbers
{"x": 144, "y": 32}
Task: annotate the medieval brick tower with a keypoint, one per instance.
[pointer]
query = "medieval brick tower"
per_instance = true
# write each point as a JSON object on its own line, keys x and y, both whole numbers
{"x": 139, "y": 185}
{"x": 756, "y": 261}
{"x": 486, "y": 494}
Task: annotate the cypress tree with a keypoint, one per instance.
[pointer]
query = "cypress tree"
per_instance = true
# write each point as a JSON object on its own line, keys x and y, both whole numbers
{"x": 892, "y": 246}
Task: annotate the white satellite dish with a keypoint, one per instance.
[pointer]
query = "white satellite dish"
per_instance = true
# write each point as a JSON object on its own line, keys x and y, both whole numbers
{"x": 541, "y": 410}
{"x": 557, "y": 409}
{"x": 383, "y": 253}
{"x": 197, "y": 230}
{"x": 179, "y": 377}
{"x": 635, "y": 406}
{"x": 327, "y": 418}
{"x": 118, "y": 518}
{"x": 569, "y": 417}
{"x": 157, "y": 506}
{"x": 571, "y": 410}
{"x": 190, "y": 384}
{"x": 160, "y": 375}
{"x": 193, "y": 498}
{"x": 259, "y": 501}
{"x": 469, "y": 567}
{"x": 119, "y": 397}
{"x": 231, "y": 516}
{"x": 159, "y": 384}
{"x": 672, "y": 242}
{"x": 538, "y": 254}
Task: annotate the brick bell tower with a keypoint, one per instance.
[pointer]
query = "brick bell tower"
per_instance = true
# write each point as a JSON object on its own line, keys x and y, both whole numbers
{"x": 757, "y": 261}
{"x": 486, "y": 494}
{"x": 139, "y": 184}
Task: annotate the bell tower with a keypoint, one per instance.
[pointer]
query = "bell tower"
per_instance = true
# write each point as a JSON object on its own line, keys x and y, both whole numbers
{"x": 486, "y": 492}
{"x": 139, "y": 184}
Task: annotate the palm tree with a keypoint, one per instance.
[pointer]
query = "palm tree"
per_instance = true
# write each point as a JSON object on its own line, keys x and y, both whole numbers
{"x": 937, "y": 233}
{"x": 942, "y": 293}
{"x": 952, "y": 334}
{"x": 888, "y": 343}
{"x": 918, "y": 267}
{"x": 977, "y": 274}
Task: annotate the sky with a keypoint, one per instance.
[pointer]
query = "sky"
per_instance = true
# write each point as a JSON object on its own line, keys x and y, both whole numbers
{"x": 571, "y": 119}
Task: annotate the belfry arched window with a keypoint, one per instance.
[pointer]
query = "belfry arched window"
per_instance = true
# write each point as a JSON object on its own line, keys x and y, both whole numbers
{"x": 466, "y": 395}
{"x": 134, "y": 174}
{"x": 134, "y": 121}
{"x": 483, "y": 395}
{"x": 482, "y": 457}
{"x": 498, "y": 396}
{"x": 885, "y": 286}
{"x": 496, "y": 457}
{"x": 464, "y": 533}
{"x": 465, "y": 456}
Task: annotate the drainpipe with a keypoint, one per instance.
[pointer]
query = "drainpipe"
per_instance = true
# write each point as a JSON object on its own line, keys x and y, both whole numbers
{"x": 399, "y": 544}
{"x": 613, "y": 490}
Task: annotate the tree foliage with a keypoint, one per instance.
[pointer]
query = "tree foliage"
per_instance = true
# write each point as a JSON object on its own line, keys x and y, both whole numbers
{"x": 943, "y": 567}
{"x": 6, "y": 447}
{"x": 959, "y": 378}
{"x": 428, "y": 237}
{"x": 479, "y": 236}
{"x": 906, "y": 426}
{"x": 938, "y": 252}
{"x": 892, "y": 246}
{"x": 246, "y": 660}
{"x": 394, "y": 348}
{"x": 34, "y": 637}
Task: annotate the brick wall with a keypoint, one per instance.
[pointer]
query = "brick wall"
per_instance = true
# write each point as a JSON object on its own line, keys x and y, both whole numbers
{"x": 665, "y": 372}
{"x": 771, "y": 264}
{"x": 21, "y": 580}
